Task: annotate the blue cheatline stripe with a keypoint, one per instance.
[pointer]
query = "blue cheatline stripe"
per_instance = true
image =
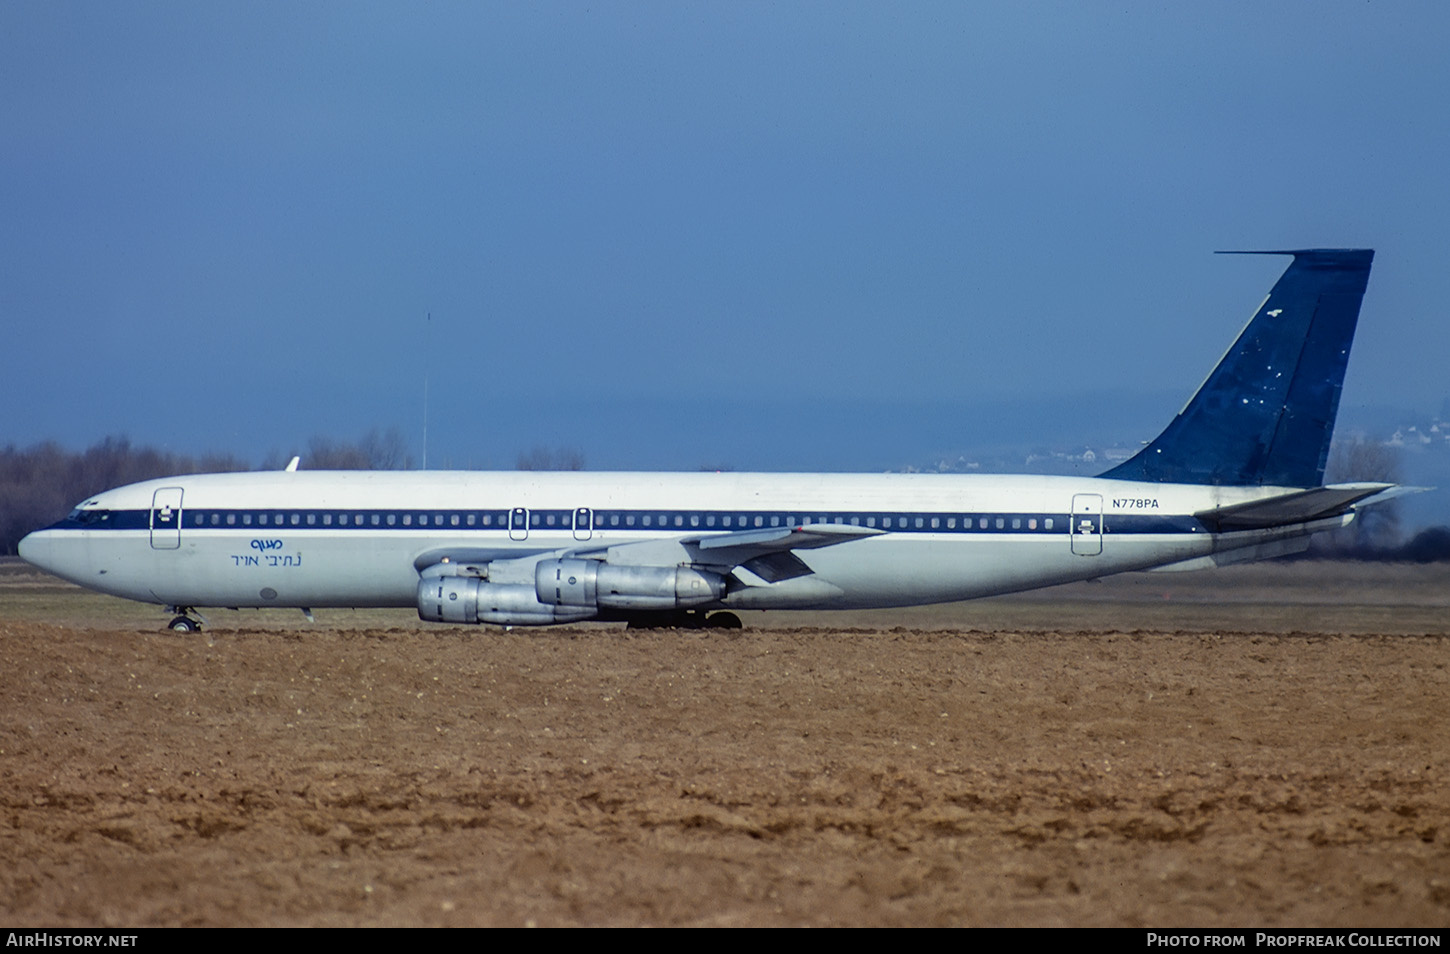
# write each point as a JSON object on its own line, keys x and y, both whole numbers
{"x": 663, "y": 520}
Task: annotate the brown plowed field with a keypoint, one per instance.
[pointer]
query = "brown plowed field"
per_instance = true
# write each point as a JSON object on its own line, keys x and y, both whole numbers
{"x": 1257, "y": 746}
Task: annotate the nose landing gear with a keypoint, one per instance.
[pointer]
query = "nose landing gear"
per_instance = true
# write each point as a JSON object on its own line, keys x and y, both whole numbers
{"x": 183, "y": 622}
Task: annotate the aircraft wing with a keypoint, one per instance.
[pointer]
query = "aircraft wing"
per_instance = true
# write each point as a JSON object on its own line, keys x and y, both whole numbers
{"x": 768, "y": 553}
{"x": 1298, "y": 507}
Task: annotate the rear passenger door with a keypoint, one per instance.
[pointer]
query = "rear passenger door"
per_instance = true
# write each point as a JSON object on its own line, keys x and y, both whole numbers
{"x": 1086, "y": 528}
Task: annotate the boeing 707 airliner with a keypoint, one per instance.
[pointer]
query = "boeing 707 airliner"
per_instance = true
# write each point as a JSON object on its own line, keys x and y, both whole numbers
{"x": 1236, "y": 476}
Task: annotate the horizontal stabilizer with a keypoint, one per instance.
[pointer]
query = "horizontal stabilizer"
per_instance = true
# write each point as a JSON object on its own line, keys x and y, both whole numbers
{"x": 1299, "y": 507}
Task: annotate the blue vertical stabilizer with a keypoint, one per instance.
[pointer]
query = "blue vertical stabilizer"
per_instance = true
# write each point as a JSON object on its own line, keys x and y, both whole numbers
{"x": 1266, "y": 413}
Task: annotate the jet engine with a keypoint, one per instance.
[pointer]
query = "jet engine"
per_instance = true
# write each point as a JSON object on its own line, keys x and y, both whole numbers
{"x": 468, "y": 599}
{"x": 602, "y": 585}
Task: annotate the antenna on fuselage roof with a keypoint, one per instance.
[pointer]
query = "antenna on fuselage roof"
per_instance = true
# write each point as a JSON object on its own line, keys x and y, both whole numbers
{"x": 427, "y": 349}
{"x": 292, "y": 465}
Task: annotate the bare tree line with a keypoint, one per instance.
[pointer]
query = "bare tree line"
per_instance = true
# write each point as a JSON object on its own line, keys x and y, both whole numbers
{"x": 1377, "y": 533}
{"x": 41, "y": 483}
{"x": 376, "y": 450}
{"x": 542, "y": 458}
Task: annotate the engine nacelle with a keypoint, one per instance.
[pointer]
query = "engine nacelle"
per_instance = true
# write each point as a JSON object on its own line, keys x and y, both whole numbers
{"x": 468, "y": 599}
{"x": 595, "y": 583}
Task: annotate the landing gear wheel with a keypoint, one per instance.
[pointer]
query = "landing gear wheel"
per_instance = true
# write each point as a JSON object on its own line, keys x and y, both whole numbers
{"x": 184, "y": 624}
{"x": 684, "y": 619}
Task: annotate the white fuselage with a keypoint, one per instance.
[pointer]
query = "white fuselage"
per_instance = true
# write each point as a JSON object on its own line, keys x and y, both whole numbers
{"x": 358, "y": 539}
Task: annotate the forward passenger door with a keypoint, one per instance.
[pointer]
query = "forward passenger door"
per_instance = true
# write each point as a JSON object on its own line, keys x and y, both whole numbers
{"x": 166, "y": 519}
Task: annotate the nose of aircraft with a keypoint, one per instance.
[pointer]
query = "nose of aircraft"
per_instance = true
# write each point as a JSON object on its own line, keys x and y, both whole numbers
{"x": 35, "y": 549}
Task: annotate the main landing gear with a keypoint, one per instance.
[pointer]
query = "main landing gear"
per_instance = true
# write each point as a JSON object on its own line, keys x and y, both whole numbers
{"x": 183, "y": 622}
{"x": 684, "y": 619}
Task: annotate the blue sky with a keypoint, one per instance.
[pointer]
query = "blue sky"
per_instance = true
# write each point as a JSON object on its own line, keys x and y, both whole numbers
{"x": 767, "y": 235}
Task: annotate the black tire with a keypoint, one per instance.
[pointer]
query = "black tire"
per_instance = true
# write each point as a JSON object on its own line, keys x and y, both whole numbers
{"x": 184, "y": 624}
{"x": 724, "y": 621}
{"x": 678, "y": 619}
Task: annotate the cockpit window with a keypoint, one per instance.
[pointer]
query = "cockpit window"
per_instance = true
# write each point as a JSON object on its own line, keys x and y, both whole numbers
{"x": 87, "y": 517}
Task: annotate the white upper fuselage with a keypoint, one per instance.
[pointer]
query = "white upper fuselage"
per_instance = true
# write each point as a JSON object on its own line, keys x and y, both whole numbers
{"x": 340, "y": 538}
